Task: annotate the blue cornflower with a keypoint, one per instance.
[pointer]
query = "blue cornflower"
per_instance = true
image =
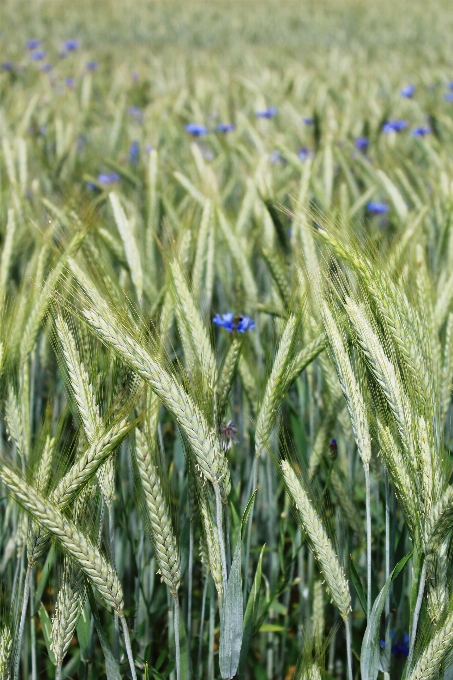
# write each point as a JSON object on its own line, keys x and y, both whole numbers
{"x": 408, "y": 91}
{"x": 46, "y": 68}
{"x": 448, "y": 96}
{"x": 382, "y": 644}
{"x": 268, "y": 113}
{"x": 7, "y": 66}
{"x": 361, "y": 143}
{"x": 421, "y": 131}
{"x": 231, "y": 323}
{"x": 71, "y": 45}
{"x": 450, "y": 85}
{"x": 92, "y": 66}
{"x": 376, "y": 208}
{"x": 108, "y": 178}
{"x": 195, "y": 129}
{"x": 394, "y": 126}
{"x": 33, "y": 43}
{"x": 134, "y": 153}
{"x": 38, "y": 55}
{"x": 226, "y": 127}
{"x": 69, "y": 82}
{"x": 401, "y": 648}
{"x": 135, "y": 112}
{"x": 92, "y": 186}
{"x": 304, "y": 153}
{"x": 308, "y": 121}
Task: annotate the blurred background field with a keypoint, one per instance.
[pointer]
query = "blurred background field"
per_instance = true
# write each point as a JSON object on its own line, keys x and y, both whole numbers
{"x": 139, "y": 134}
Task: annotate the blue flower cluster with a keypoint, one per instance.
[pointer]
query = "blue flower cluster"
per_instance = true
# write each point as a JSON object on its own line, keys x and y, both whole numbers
{"x": 394, "y": 126}
{"x": 376, "y": 208}
{"x": 232, "y": 323}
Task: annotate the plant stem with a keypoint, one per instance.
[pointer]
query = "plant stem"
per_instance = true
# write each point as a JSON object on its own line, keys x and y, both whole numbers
{"x": 219, "y": 510}
{"x": 21, "y": 624}
{"x": 127, "y": 642}
{"x": 189, "y": 593}
{"x": 418, "y": 606}
{"x": 116, "y": 625}
{"x": 177, "y": 645}
{"x": 249, "y": 527}
{"x": 211, "y": 631}
{"x": 32, "y": 629}
{"x": 368, "y": 538}
{"x": 347, "y": 624}
{"x": 200, "y": 640}
{"x": 387, "y": 568}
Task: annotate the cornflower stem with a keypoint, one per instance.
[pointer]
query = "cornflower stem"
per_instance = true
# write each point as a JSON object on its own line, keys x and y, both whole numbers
{"x": 22, "y": 623}
{"x": 177, "y": 645}
{"x": 368, "y": 536}
{"x": 127, "y": 642}
{"x": 418, "y": 606}
{"x": 219, "y": 511}
{"x": 200, "y": 640}
{"x": 347, "y": 624}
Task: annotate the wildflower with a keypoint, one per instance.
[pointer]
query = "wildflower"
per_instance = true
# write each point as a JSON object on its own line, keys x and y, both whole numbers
{"x": 70, "y": 45}
{"x": 69, "y": 82}
{"x": 377, "y": 208}
{"x": 421, "y": 131}
{"x": 408, "y": 91}
{"x": 276, "y": 157}
{"x": 226, "y": 127}
{"x": 304, "y": 153}
{"x": 92, "y": 66}
{"x": 107, "y": 178}
{"x": 92, "y": 186}
{"x": 227, "y": 433}
{"x": 231, "y": 323}
{"x": 135, "y": 112}
{"x": 196, "y": 130}
{"x": 268, "y": 113}
{"x": 33, "y": 43}
{"x": 46, "y": 68}
{"x": 394, "y": 126}
{"x": 401, "y": 648}
{"x": 7, "y": 66}
{"x": 134, "y": 153}
{"x": 361, "y": 143}
{"x": 333, "y": 449}
{"x": 38, "y": 55}
{"x": 308, "y": 121}
{"x": 448, "y": 96}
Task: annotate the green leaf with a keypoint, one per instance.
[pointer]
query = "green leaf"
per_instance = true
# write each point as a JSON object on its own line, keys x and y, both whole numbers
{"x": 231, "y": 620}
{"x": 112, "y": 668}
{"x": 358, "y": 586}
{"x": 271, "y": 628}
{"x": 247, "y": 511}
{"x": 250, "y": 615}
{"x": 47, "y": 631}
{"x": 370, "y": 654}
{"x": 83, "y": 631}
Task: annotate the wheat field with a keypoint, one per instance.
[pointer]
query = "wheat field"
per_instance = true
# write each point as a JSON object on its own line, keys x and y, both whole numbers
{"x": 226, "y": 340}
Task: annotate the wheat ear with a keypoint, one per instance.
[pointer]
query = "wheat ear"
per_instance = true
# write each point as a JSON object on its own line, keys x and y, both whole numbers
{"x": 87, "y": 556}
{"x": 321, "y": 545}
{"x": 275, "y": 388}
{"x": 130, "y": 244}
{"x": 434, "y": 654}
{"x": 66, "y": 612}
{"x": 6, "y": 645}
{"x": 210, "y": 459}
{"x": 163, "y": 535}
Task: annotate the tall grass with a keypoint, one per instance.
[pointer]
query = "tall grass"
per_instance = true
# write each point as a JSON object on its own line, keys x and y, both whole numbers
{"x": 226, "y": 356}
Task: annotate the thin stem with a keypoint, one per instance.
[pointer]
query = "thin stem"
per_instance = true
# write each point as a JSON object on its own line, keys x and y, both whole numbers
{"x": 211, "y": 631}
{"x": 58, "y": 670}
{"x": 177, "y": 645}
{"x": 368, "y": 537}
{"x": 347, "y": 624}
{"x": 249, "y": 527}
{"x": 219, "y": 510}
{"x": 31, "y": 598}
{"x": 116, "y": 624}
{"x": 127, "y": 642}
{"x": 21, "y": 624}
{"x": 189, "y": 588}
{"x": 387, "y": 567}
{"x": 418, "y": 606}
{"x": 200, "y": 640}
